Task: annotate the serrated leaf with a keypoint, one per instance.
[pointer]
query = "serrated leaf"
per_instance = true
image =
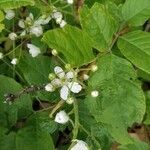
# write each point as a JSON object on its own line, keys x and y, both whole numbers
{"x": 99, "y": 24}
{"x": 42, "y": 122}
{"x": 32, "y": 139}
{"x": 11, "y": 4}
{"x": 136, "y": 12}
{"x": 135, "y": 46}
{"x": 72, "y": 42}
{"x": 121, "y": 101}
{"x": 19, "y": 109}
{"x": 36, "y": 71}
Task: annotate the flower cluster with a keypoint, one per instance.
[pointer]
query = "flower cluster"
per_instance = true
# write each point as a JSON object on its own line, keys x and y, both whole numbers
{"x": 67, "y": 82}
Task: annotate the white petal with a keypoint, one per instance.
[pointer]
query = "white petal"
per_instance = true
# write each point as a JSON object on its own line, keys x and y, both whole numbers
{"x": 33, "y": 50}
{"x": 64, "y": 92}
{"x": 80, "y": 145}
{"x": 63, "y": 23}
{"x": 85, "y": 77}
{"x": 59, "y": 72}
{"x": 23, "y": 33}
{"x": 21, "y": 23}
{"x": 70, "y": 75}
{"x": 75, "y": 87}
{"x": 56, "y": 82}
{"x": 49, "y": 88}
{"x": 61, "y": 117}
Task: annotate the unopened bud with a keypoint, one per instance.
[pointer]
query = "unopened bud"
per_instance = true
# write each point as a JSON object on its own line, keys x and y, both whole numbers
{"x": 54, "y": 52}
{"x": 94, "y": 68}
{"x": 70, "y": 100}
{"x": 51, "y": 76}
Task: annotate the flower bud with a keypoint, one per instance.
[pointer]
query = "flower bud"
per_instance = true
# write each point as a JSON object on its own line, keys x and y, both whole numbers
{"x": 1, "y": 55}
{"x": 94, "y": 93}
{"x": 80, "y": 145}
{"x": 70, "y": 100}
{"x": 68, "y": 66}
{"x": 94, "y": 68}
{"x": 14, "y": 61}
{"x": 51, "y": 76}
{"x": 54, "y": 52}
{"x": 12, "y": 36}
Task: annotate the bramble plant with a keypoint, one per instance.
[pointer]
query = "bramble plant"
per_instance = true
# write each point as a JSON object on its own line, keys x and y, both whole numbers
{"x": 74, "y": 74}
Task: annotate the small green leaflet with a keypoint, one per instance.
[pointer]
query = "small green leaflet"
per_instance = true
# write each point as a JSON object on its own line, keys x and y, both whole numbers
{"x": 136, "y": 12}
{"x": 121, "y": 101}
{"x": 135, "y": 46}
{"x": 73, "y": 43}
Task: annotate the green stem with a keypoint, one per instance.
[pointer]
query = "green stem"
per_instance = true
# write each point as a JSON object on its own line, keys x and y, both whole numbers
{"x": 60, "y": 103}
{"x": 76, "y": 126}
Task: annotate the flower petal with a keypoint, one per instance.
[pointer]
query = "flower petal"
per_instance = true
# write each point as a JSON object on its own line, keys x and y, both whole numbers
{"x": 75, "y": 87}
{"x": 59, "y": 72}
{"x": 64, "y": 92}
{"x": 70, "y": 75}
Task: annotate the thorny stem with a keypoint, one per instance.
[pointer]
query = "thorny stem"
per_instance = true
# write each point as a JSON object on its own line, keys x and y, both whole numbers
{"x": 59, "y": 104}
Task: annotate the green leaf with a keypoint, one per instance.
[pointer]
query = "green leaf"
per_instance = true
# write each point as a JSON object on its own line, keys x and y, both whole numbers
{"x": 135, "y": 46}
{"x": 101, "y": 25}
{"x": 36, "y": 71}
{"x": 121, "y": 100}
{"x": 7, "y": 142}
{"x": 72, "y": 42}
{"x": 137, "y": 145}
{"x": 136, "y": 12}
{"x": 2, "y": 26}
{"x": 19, "y": 109}
{"x": 32, "y": 139}
{"x": 42, "y": 122}
{"x": 147, "y": 115}
{"x": 11, "y": 4}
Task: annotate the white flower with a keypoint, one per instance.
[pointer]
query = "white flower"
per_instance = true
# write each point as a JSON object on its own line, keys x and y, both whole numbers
{"x": 10, "y": 14}
{"x": 59, "y": 72}
{"x": 33, "y": 50}
{"x": 54, "y": 52}
{"x": 94, "y": 93}
{"x": 21, "y": 24}
{"x": 1, "y": 55}
{"x": 61, "y": 117}
{"x": 94, "y": 68}
{"x": 14, "y": 61}
{"x": 12, "y": 36}
{"x": 49, "y": 87}
{"x": 36, "y": 30}
{"x": 63, "y": 23}
{"x": 80, "y": 145}
{"x": 85, "y": 77}
{"x": 70, "y": 1}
